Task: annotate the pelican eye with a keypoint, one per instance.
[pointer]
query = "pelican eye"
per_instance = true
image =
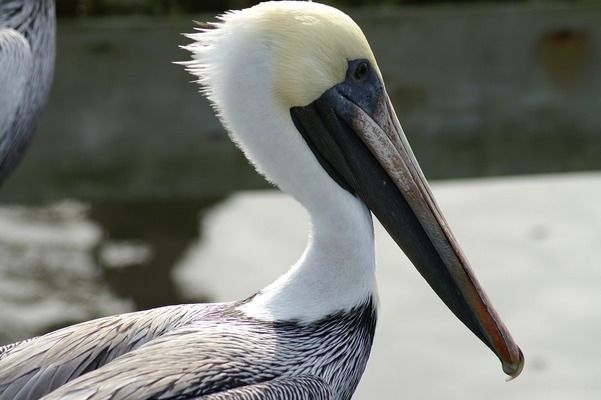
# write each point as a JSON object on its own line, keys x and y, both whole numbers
{"x": 361, "y": 71}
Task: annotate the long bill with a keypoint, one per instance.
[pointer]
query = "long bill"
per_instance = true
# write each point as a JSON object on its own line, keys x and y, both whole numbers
{"x": 358, "y": 139}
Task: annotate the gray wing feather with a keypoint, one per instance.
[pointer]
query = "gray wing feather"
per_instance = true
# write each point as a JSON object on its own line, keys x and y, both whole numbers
{"x": 194, "y": 359}
{"x": 4, "y": 350}
{"x": 16, "y": 63}
{"x": 302, "y": 387}
{"x": 29, "y": 370}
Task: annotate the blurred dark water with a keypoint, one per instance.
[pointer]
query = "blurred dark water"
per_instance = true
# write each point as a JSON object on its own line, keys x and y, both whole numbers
{"x": 73, "y": 261}
{"x": 167, "y": 228}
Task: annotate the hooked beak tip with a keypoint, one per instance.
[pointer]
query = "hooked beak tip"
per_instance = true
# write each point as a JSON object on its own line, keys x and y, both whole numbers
{"x": 514, "y": 369}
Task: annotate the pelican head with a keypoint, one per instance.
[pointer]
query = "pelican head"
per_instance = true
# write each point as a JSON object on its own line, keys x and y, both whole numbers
{"x": 298, "y": 88}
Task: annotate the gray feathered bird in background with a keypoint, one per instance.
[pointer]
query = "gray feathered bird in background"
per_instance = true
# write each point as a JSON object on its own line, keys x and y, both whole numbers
{"x": 27, "y": 51}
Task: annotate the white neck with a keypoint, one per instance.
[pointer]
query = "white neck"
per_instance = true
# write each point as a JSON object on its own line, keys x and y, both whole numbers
{"x": 336, "y": 271}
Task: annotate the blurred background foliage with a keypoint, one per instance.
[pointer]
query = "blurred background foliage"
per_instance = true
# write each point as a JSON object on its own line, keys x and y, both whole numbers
{"x": 74, "y": 8}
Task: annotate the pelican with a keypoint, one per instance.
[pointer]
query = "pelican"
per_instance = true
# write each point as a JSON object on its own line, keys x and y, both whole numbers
{"x": 300, "y": 92}
{"x": 27, "y": 48}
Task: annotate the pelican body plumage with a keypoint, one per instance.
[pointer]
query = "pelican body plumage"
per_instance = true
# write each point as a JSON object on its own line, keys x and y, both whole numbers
{"x": 27, "y": 51}
{"x": 300, "y": 92}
